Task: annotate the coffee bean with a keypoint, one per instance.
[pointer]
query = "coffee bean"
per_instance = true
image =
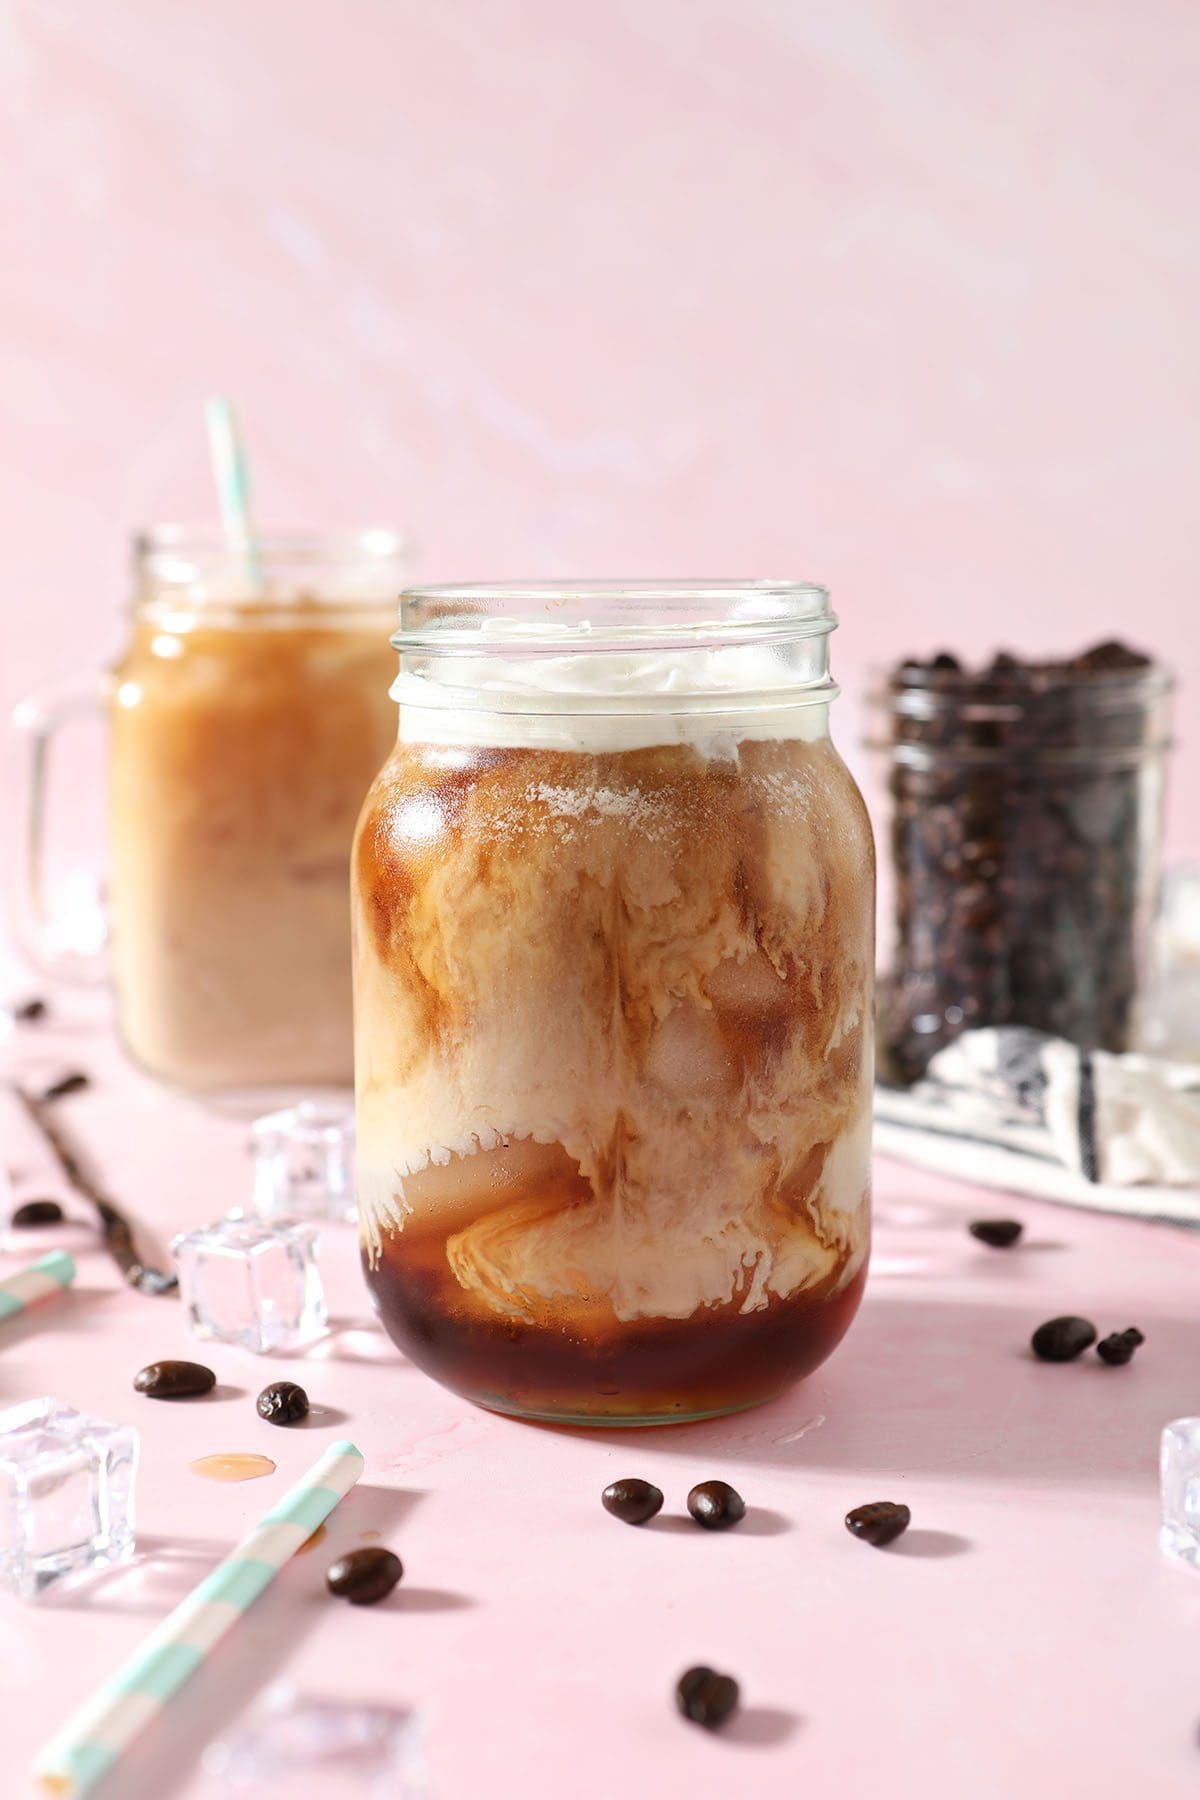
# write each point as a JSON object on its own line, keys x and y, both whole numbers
{"x": 1062, "y": 1340}
{"x": 715, "y": 1505}
{"x": 28, "y": 1012}
{"x": 879, "y": 1523}
{"x": 632, "y": 1500}
{"x": 705, "y": 1697}
{"x": 174, "y": 1380}
{"x": 1112, "y": 655}
{"x": 1119, "y": 1346}
{"x": 67, "y": 1084}
{"x": 37, "y": 1212}
{"x": 999, "y": 1233}
{"x": 282, "y": 1403}
{"x": 364, "y": 1576}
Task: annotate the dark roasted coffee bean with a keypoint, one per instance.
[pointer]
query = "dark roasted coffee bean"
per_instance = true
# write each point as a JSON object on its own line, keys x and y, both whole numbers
{"x": 705, "y": 1697}
{"x": 364, "y": 1576}
{"x": 1112, "y": 655}
{"x": 37, "y": 1212}
{"x": 1062, "y": 1340}
{"x": 632, "y": 1500}
{"x": 879, "y": 1523}
{"x": 999, "y": 1233}
{"x": 1119, "y": 1346}
{"x": 715, "y": 1505}
{"x": 282, "y": 1403}
{"x": 67, "y": 1084}
{"x": 28, "y": 1012}
{"x": 174, "y": 1380}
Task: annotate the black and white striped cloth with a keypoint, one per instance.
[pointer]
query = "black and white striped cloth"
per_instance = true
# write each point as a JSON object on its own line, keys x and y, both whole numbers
{"x": 1015, "y": 1108}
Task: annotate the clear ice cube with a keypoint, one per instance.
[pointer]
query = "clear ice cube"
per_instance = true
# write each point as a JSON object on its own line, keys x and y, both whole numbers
{"x": 1180, "y": 1468}
{"x": 343, "y": 1748}
{"x": 66, "y": 1495}
{"x": 249, "y": 1283}
{"x": 304, "y": 1162}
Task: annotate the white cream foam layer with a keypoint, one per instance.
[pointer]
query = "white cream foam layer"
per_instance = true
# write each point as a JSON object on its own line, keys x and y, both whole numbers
{"x": 602, "y": 700}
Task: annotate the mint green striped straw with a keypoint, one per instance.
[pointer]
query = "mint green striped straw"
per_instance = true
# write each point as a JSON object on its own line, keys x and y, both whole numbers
{"x": 231, "y": 473}
{"x": 90, "y": 1743}
{"x": 48, "y": 1275}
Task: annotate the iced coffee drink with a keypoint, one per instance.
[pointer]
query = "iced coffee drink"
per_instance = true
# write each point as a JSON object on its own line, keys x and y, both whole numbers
{"x": 613, "y": 907}
{"x": 245, "y": 725}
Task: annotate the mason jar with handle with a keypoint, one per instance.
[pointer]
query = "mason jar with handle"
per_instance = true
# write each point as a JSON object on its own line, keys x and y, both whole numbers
{"x": 613, "y": 919}
{"x": 245, "y": 714}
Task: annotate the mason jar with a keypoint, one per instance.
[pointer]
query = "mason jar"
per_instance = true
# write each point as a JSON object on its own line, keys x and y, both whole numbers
{"x": 246, "y": 713}
{"x": 1025, "y": 827}
{"x": 613, "y": 919}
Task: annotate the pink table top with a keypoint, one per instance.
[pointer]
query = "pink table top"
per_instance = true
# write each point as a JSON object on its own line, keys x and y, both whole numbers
{"x": 1025, "y": 1637}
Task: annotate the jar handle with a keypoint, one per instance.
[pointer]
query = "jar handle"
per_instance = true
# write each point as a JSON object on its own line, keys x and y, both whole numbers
{"x": 42, "y": 931}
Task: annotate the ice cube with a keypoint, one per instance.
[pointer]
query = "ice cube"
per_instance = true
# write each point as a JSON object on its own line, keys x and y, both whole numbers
{"x": 343, "y": 1748}
{"x": 751, "y": 986}
{"x": 249, "y": 1283}
{"x": 66, "y": 1495}
{"x": 687, "y": 1057}
{"x": 1180, "y": 1468}
{"x": 304, "y": 1162}
{"x": 457, "y": 1191}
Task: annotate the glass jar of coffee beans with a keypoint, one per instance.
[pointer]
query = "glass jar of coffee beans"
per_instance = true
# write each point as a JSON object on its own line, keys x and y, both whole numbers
{"x": 1025, "y": 827}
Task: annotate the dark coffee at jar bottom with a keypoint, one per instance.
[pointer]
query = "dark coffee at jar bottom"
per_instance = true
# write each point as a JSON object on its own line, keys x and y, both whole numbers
{"x": 646, "y": 1370}
{"x": 1025, "y": 808}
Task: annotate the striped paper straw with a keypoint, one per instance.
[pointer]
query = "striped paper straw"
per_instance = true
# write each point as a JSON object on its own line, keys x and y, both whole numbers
{"x": 231, "y": 474}
{"x": 90, "y": 1743}
{"x": 50, "y": 1274}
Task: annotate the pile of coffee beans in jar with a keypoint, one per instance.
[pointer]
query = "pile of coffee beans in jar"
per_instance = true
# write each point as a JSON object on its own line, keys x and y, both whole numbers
{"x": 1026, "y": 801}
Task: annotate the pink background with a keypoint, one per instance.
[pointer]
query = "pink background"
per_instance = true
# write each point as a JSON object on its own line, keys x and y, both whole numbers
{"x": 896, "y": 294}
{"x": 901, "y": 295}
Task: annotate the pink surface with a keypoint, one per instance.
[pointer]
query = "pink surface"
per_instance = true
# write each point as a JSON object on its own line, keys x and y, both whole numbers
{"x": 1025, "y": 1637}
{"x": 895, "y": 294}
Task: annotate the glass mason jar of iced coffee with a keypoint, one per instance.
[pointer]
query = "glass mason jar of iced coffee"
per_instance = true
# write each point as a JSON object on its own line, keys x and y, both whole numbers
{"x": 613, "y": 919}
{"x": 247, "y": 713}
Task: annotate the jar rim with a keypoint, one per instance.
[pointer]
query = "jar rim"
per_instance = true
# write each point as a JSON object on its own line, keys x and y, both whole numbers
{"x": 1004, "y": 697}
{"x": 185, "y": 575}
{"x": 293, "y": 544}
{"x": 1052, "y": 714}
{"x": 526, "y": 617}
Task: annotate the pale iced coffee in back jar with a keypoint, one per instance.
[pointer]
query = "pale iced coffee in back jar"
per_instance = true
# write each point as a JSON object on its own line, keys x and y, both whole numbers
{"x": 248, "y": 713}
{"x": 613, "y": 915}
